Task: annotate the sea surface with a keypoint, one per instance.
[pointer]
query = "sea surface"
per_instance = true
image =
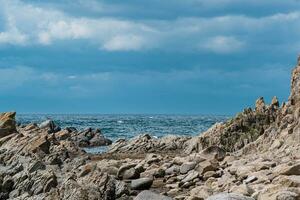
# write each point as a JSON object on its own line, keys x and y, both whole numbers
{"x": 128, "y": 126}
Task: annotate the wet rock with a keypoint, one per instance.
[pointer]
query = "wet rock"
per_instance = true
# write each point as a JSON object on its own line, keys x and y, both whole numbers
{"x": 91, "y": 138}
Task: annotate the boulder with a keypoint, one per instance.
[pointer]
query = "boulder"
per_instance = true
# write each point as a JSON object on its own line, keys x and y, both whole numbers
{"x": 7, "y": 124}
{"x": 186, "y": 167}
{"x": 286, "y": 169}
{"x": 141, "y": 184}
{"x": 214, "y": 152}
{"x": 149, "y": 195}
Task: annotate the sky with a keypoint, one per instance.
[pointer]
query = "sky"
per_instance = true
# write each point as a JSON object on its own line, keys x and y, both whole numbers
{"x": 145, "y": 56}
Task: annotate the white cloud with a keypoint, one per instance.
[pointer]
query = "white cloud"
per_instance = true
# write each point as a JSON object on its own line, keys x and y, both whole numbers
{"x": 33, "y": 25}
{"x": 223, "y": 44}
{"x": 124, "y": 42}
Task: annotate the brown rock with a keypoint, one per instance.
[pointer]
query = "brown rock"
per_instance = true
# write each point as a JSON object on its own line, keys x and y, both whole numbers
{"x": 7, "y": 124}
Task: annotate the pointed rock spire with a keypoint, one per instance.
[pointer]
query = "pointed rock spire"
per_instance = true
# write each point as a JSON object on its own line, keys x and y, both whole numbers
{"x": 260, "y": 105}
{"x": 275, "y": 102}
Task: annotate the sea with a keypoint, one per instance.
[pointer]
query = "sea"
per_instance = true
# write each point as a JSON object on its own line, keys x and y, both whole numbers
{"x": 115, "y": 126}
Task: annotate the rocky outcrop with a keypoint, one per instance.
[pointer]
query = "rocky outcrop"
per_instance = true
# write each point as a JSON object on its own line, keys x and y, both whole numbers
{"x": 255, "y": 155}
{"x": 7, "y": 124}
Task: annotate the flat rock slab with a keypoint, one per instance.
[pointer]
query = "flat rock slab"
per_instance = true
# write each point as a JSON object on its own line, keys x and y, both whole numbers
{"x": 149, "y": 195}
{"x": 229, "y": 196}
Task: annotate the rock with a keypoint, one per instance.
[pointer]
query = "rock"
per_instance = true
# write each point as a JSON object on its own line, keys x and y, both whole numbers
{"x": 186, "y": 167}
{"x": 206, "y": 166}
{"x": 201, "y": 192}
{"x": 42, "y": 144}
{"x": 123, "y": 168}
{"x": 243, "y": 189}
{"x": 173, "y": 170}
{"x": 121, "y": 189}
{"x": 229, "y": 196}
{"x": 50, "y": 126}
{"x": 250, "y": 179}
{"x": 63, "y": 135}
{"x": 7, "y": 124}
{"x": 91, "y": 138}
{"x": 260, "y": 105}
{"x": 209, "y": 174}
{"x": 191, "y": 176}
{"x": 287, "y": 195}
{"x": 131, "y": 173}
{"x": 277, "y": 144}
{"x": 214, "y": 152}
{"x": 285, "y": 169}
{"x": 141, "y": 184}
{"x": 275, "y": 102}
{"x": 38, "y": 165}
{"x": 149, "y": 195}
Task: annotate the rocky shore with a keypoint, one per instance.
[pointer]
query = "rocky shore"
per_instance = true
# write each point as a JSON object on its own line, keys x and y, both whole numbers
{"x": 253, "y": 156}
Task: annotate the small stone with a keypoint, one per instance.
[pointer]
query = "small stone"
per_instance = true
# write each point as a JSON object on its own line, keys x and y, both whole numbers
{"x": 250, "y": 179}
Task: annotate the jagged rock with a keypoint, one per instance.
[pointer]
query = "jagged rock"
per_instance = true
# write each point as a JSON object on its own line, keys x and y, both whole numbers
{"x": 38, "y": 165}
{"x": 260, "y": 105}
{"x": 7, "y": 124}
{"x": 63, "y": 134}
{"x": 91, "y": 138}
{"x": 42, "y": 144}
{"x": 275, "y": 102}
{"x": 50, "y": 126}
{"x": 149, "y": 195}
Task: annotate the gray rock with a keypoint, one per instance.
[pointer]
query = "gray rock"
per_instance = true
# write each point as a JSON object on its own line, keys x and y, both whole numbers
{"x": 229, "y": 196}
{"x": 191, "y": 176}
{"x": 172, "y": 170}
{"x": 123, "y": 169}
{"x": 131, "y": 173}
{"x": 186, "y": 167}
{"x": 38, "y": 165}
{"x": 141, "y": 184}
{"x": 149, "y": 195}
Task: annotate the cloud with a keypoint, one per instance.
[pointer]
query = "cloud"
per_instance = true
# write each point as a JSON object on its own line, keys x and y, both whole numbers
{"x": 222, "y": 44}
{"x": 36, "y": 25}
{"x": 124, "y": 42}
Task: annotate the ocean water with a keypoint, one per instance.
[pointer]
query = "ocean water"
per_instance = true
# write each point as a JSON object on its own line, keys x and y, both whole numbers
{"x": 129, "y": 126}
